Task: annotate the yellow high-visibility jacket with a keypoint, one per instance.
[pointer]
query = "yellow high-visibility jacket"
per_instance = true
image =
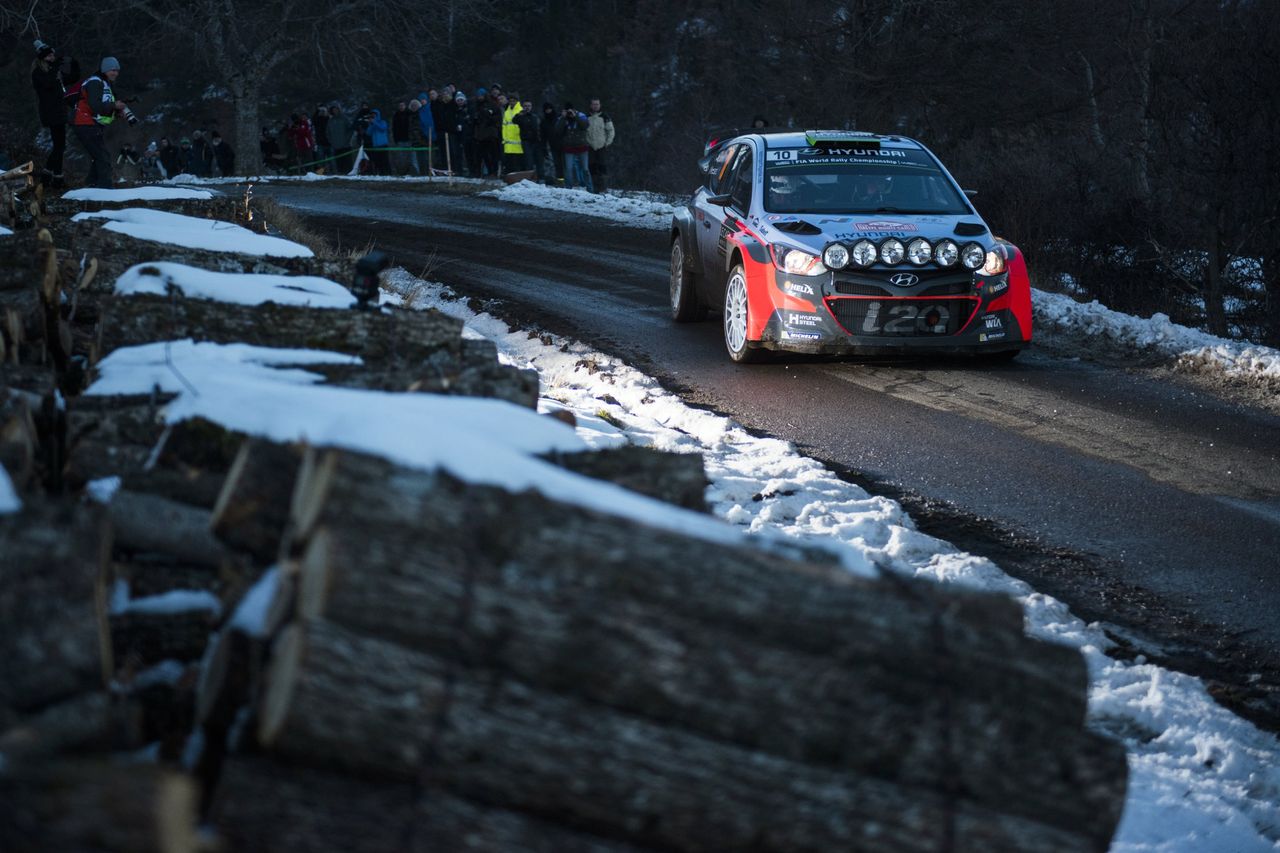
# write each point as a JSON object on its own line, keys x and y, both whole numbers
{"x": 511, "y": 131}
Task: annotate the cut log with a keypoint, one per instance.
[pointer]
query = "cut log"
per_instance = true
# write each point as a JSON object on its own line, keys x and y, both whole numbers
{"x": 90, "y": 722}
{"x": 674, "y": 478}
{"x": 912, "y": 709}
{"x": 51, "y": 555}
{"x": 378, "y": 337}
{"x": 119, "y": 808}
{"x": 339, "y": 699}
{"x": 18, "y": 439}
{"x": 263, "y": 806}
{"x": 147, "y": 523}
{"x": 253, "y": 507}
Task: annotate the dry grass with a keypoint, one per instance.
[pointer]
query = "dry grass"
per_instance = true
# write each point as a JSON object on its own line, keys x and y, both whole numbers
{"x": 289, "y": 224}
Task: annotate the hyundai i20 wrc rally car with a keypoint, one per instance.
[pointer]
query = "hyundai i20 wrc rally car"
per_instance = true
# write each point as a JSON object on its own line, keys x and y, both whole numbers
{"x": 843, "y": 242}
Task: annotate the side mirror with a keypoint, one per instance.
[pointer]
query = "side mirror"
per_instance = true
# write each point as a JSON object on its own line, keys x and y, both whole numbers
{"x": 722, "y": 200}
{"x": 971, "y": 193}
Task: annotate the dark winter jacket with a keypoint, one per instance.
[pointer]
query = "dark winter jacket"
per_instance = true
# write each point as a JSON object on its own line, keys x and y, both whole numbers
{"x": 575, "y": 134}
{"x": 339, "y": 132}
{"x": 488, "y": 122}
{"x": 225, "y": 156}
{"x": 439, "y": 116}
{"x": 171, "y": 160}
{"x": 530, "y": 130}
{"x": 50, "y": 88}
{"x": 320, "y": 126}
{"x": 202, "y": 157}
{"x": 400, "y": 120}
{"x": 459, "y": 120}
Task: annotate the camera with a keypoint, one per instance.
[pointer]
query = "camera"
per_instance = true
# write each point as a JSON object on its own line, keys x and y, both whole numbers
{"x": 129, "y": 116}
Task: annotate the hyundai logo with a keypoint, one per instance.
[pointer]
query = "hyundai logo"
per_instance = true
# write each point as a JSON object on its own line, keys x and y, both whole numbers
{"x": 904, "y": 279}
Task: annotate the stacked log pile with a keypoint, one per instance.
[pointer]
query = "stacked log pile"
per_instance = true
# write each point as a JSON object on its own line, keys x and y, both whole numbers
{"x": 322, "y": 650}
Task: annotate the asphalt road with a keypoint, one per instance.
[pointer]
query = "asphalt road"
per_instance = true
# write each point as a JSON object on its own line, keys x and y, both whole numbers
{"x": 1138, "y": 499}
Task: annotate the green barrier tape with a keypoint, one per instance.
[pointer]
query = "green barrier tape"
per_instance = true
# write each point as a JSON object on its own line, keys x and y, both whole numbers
{"x": 353, "y": 153}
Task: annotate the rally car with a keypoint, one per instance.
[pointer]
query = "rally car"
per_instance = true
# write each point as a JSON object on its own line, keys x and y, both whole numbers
{"x": 839, "y": 242}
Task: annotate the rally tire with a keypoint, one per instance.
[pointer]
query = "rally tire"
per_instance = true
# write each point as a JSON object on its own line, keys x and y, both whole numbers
{"x": 685, "y": 307}
{"x": 1002, "y": 357}
{"x": 737, "y": 318}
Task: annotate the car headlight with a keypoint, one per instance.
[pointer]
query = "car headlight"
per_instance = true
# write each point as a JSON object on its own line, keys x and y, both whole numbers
{"x": 919, "y": 252}
{"x": 994, "y": 263}
{"x": 946, "y": 253}
{"x": 973, "y": 255}
{"x": 864, "y": 253}
{"x": 892, "y": 251}
{"x": 835, "y": 256}
{"x": 796, "y": 262}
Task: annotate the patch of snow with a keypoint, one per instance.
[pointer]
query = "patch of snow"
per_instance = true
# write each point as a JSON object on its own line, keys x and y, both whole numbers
{"x": 1084, "y": 321}
{"x": 150, "y": 365}
{"x": 9, "y": 500}
{"x": 138, "y": 194}
{"x": 237, "y": 288}
{"x": 192, "y": 180}
{"x": 168, "y": 671}
{"x": 159, "y": 226}
{"x": 174, "y": 601}
{"x": 251, "y": 614}
{"x": 102, "y": 489}
{"x": 5, "y": 232}
{"x": 640, "y": 210}
{"x": 1200, "y": 777}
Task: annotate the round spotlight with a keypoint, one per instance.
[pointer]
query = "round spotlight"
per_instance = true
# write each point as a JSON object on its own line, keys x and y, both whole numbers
{"x": 946, "y": 253}
{"x": 864, "y": 253}
{"x": 892, "y": 251}
{"x": 919, "y": 252}
{"x": 973, "y": 256}
{"x": 835, "y": 256}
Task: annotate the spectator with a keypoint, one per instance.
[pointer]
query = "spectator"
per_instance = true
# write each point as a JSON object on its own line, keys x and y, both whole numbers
{"x": 574, "y": 126}
{"x": 49, "y": 76}
{"x": 530, "y": 138}
{"x": 437, "y": 101}
{"x": 170, "y": 159}
{"x": 460, "y": 120}
{"x": 512, "y": 145}
{"x": 552, "y": 139}
{"x": 340, "y": 132}
{"x": 599, "y": 137}
{"x": 758, "y": 122}
{"x": 320, "y": 129}
{"x": 380, "y": 137}
{"x": 202, "y": 155}
{"x": 401, "y": 119}
{"x": 303, "y": 138}
{"x": 223, "y": 156}
{"x": 150, "y": 169}
{"x": 95, "y": 110}
{"x": 127, "y": 164}
{"x": 272, "y": 157}
{"x": 363, "y": 116}
{"x": 488, "y": 134}
{"x": 186, "y": 157}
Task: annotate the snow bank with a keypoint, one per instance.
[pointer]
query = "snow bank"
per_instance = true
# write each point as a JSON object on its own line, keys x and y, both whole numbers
{"x": 138, "y": 194}
{"x": 159, "y": 226}
{"x": 641, "y": 210}
{"x": 1191, "y": 347}
{"x": 9, "y": 500}
{"x": 192, "y": 180}
{"x": 1201, "y": 778}
{"x": 173, "y": 601}
{"x": 237, "y": 288}
{"x": 479, "y": 440}
{"x": 5, "y": 232}
{"x": 251, "y": 615}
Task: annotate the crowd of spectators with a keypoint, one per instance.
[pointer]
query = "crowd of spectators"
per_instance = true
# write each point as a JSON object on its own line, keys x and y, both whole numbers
{"x": 443, "y": 131}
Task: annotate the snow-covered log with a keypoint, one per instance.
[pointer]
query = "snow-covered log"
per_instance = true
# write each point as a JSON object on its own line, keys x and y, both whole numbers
{"x": 336, "y": 698}
{"x": 51, "y": 555}
{"x": 112, "y": 808}
{"x": 263, "y": 806}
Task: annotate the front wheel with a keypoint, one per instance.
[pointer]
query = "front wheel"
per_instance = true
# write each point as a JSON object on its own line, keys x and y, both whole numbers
{"x": 685, "y": 307}
{"x": 736, "y": 315}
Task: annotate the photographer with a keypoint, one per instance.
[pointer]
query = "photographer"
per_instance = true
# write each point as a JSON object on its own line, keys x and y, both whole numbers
{"x": 49, "y": 75}
{"x": 94, "y": 112}
{"x": 573, "y": 125}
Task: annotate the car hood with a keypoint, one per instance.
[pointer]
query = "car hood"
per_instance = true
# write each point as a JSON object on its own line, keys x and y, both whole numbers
{"x": 813, "y": 231}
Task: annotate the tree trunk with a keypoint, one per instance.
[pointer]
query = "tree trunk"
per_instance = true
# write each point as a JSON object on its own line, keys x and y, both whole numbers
{"x": 247, "y": 96}
{"x": 1212, "y": 288}
{"x": 262, "y": 806}
{"x": 379, "y": 709}
{"x": 121, "y": 808}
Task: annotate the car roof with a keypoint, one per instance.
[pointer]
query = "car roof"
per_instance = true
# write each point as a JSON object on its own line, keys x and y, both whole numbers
{"x": 808, "y": 138}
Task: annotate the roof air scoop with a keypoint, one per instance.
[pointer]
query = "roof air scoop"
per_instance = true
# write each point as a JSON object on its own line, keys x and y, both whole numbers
{"x": 797, "y": 226}
{"x": 970, "y": 229}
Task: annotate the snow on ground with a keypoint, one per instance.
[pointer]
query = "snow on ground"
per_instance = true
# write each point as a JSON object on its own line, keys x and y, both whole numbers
{"x": 193, "y": 232}
{"x": 640, "y": 210}
{"x": 238, "y": 288}
{"x": 191, "y": 180}
{"x": 1201, "y": 779}
{"x": 5, "y": 232}
{"x": 9, "y": 500}
{"x": 138, "y": 194}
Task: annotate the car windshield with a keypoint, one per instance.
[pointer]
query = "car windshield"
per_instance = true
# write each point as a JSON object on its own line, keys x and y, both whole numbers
{"x": 857, "y": 180}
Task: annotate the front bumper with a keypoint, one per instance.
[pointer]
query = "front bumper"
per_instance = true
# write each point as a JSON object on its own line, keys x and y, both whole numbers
{"x": 864, "y": 313}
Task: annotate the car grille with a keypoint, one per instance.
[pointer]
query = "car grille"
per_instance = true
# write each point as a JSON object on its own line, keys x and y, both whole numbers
{"x": 950, "y": 289}
{"x": 855, "y": 289}
{"x": 899, "y": 318}
{"x": 875, "y": 282}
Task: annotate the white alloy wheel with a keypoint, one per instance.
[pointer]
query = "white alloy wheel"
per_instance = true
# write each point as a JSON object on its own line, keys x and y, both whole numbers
{"x": 735, "y": 317}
